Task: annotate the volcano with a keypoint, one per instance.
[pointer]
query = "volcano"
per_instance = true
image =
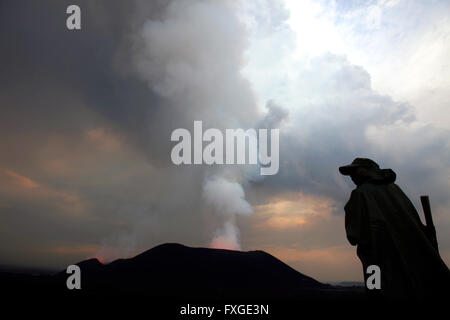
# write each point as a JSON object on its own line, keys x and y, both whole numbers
{"x": 175, "y": 270}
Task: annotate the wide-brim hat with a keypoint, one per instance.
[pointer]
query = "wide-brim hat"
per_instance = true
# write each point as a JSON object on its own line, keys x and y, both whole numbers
{"x": 358, "y": 163}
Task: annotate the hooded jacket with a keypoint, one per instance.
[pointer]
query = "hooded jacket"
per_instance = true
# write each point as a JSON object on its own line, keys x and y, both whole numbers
{"x": 385, "y": 226}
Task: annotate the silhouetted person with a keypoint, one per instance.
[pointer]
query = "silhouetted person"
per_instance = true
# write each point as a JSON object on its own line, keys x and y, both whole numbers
{"x": 384, "y": 225}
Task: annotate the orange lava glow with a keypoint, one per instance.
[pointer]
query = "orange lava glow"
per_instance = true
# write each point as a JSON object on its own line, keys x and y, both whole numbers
{"x": 224, "y": 243}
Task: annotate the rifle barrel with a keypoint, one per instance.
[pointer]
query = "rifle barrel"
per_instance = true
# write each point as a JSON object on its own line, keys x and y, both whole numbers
{"x": 427, "y": 210}
{"x": 429, "y": 228}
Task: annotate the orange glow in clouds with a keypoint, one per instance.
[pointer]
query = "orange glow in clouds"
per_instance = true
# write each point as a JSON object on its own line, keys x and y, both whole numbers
{"x": 19, "y": 180}
{"x": 292, "y": 211}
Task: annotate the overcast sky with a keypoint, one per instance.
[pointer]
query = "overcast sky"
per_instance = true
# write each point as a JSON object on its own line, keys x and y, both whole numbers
{"x": 86, "y": 118}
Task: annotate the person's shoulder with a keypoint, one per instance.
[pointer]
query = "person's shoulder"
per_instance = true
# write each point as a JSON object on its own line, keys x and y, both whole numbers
{"x": 362, "y": 188}
{"x": 355, "y": 200}
{"x": 357, "y": 193}
{"x": 367, "y": 190}
{"x": 370, "y": 186}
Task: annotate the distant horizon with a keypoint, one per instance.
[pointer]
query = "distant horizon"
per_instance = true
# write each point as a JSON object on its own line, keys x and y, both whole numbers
{"x": 49, "y": 270}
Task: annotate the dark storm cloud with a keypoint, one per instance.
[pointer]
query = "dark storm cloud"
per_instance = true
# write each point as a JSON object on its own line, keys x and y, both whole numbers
{"x": 45, "y": 67}
{"x": 86, "y": 122}
{"x": 65, "y": 97}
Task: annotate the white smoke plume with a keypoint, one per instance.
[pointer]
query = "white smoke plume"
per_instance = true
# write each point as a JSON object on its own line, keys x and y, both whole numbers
{"x": 227, "y": 199}
{"x": 192, "y": 59}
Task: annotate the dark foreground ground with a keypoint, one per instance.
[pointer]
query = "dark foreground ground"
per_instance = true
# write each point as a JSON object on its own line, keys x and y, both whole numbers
{"x": 171, "y": 279}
